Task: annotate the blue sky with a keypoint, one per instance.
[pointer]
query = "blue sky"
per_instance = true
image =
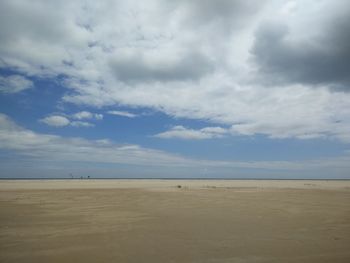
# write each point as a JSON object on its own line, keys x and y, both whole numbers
{"x": 218, "y": 89}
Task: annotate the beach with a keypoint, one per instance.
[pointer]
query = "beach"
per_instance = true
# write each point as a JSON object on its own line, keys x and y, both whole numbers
{"x": 174, "y": 221}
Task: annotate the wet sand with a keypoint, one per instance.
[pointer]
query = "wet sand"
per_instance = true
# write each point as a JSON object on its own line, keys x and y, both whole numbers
{"x": 155, "y": 221}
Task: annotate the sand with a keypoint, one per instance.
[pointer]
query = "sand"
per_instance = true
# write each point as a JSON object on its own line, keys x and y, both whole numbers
{"x": 154, "y": 221}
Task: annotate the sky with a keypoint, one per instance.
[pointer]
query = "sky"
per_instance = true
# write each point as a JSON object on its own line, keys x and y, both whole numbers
{"x": 175, "y": 89}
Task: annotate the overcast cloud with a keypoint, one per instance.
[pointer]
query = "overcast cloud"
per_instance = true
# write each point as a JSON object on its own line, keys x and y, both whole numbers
{"x": 284, "y": 55}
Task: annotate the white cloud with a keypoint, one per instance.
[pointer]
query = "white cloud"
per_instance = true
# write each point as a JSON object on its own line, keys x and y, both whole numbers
{"x": 87, "y": 115}
{"x": 61, "y": 121}
{"x": 81, "y": 124}
{"x": 14, "y": 84}
{"x": 122, "y": 113}
{"x": 189, "y": 59}
{"x": 191, "y": 134}
{"x": 56, "y": 121}
{"x": 214, "y": 130}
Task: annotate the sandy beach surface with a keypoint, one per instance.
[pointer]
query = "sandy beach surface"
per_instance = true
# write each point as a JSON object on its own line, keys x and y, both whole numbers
{"x": 157, "y": 221}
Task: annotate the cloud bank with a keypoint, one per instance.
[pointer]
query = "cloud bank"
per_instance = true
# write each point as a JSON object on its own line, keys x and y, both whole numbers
{"x": 52, "y": 148}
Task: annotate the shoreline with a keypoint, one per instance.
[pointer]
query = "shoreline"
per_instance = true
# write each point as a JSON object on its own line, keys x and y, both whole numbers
{"x": 37, "y": 184}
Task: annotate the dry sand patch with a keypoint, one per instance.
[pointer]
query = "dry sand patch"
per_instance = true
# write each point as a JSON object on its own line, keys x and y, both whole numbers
{"x": 175, "y": 225}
